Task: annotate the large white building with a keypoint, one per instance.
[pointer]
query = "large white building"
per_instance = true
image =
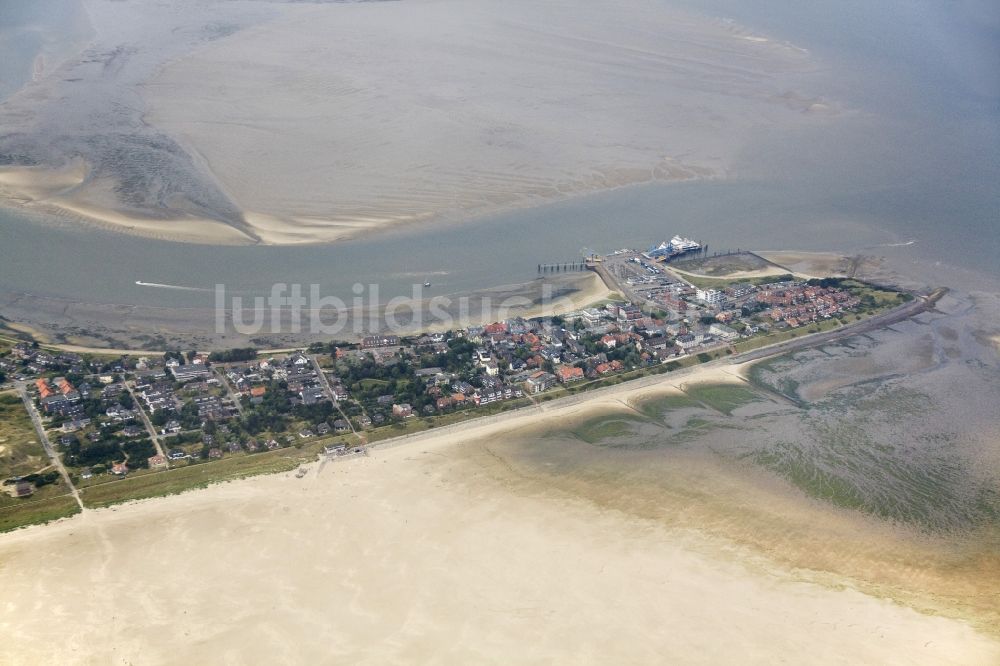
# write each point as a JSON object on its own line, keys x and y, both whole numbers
{"x": 710, "y": 296}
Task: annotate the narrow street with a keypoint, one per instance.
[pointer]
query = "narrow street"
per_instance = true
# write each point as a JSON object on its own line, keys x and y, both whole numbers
{"x": 43, "y": 437}
{"x": 145, "y": 419}
{"x": 333, "y": 398}
{"x": 229, "y": 389}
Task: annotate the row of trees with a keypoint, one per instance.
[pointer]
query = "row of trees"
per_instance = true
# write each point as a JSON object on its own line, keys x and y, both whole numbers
{"x": 368, "y": 380}
{"x": 233, "y": 355}
{"x": 109, "y": 450}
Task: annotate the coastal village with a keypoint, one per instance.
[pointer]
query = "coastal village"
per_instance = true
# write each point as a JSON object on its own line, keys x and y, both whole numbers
{"x": 109, "y": 418}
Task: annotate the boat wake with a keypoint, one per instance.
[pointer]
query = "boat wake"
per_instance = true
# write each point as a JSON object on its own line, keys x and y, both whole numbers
{"x": 414, "y": 274}
{"x": 169, "y": 286}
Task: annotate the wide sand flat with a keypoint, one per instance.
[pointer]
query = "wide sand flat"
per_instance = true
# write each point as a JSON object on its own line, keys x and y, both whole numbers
{"x": 431, "y": 551}
{"x": 288, "y": 123}
{"x": 381, "y": 113}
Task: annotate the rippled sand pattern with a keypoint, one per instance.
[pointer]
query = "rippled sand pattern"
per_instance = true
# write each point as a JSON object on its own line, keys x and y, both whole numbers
{"x": 301, "y": 122}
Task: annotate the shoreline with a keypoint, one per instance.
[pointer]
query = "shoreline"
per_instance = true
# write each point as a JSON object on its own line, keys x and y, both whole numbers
{"x": 453, "y": 469}
{"x": 471, "y": 513}
{"x": 189, "y": 332}
{"x": 662, "y": 377}
{"x": 122, "y": 325}
{"x": 45, "y": 195}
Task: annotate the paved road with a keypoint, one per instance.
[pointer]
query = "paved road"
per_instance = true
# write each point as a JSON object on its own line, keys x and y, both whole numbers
{"x": 229, "y": 389}
{"x": 325, "y": 383}
{"x": 145, "y": 420}
{"x": 43, "y": 437}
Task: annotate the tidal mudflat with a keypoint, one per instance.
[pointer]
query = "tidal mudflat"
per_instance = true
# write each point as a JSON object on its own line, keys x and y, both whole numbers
{"x": 364, "y": 115}
{"x": 873, "y": 460}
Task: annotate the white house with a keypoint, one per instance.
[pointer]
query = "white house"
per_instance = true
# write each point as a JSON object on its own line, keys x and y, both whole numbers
{"x": 710, "y": 296}
{"x": 722, "y": 331}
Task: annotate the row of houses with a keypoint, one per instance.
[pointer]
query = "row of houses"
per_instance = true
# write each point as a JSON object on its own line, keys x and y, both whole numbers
{"x": 296, "y": 370}
{"x": 59, "y": 397}
{"x": 157, "y": 395}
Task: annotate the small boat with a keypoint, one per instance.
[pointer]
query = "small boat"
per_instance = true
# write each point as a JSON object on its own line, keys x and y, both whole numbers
{"x": 427, "y": 284}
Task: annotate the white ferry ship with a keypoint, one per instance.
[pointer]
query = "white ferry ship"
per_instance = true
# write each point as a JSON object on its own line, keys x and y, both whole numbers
{"x": 672, "y": 248}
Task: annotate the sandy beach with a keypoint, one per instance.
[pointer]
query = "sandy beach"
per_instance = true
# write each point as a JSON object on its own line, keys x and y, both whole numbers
{"x": 436, "y": 550}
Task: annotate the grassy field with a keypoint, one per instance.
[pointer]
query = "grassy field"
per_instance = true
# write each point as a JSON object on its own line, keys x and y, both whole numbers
{"x": 36, "y": 510}
{"x": 722, "y": 283}
{"x": 22, "y": 454}
{"x": 45, "y": 492}
{"x": 614, "y": 297}
{"x": 198, "y": 475}
{"x": 20, "y": 451}
{"x": 882, "y": 298}
{"x": 788, "y": 334}
{"x": 371, "y": 383}
{"x": 722, "y": 265}
{"x": 419, "y": 424}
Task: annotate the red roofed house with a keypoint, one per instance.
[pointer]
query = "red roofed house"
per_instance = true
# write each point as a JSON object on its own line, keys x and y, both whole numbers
{"x": 44, "y": 390}
{"x": 567, "y": 373}
{"x": 605, "y": 368}
{"x": 496, "y": 328}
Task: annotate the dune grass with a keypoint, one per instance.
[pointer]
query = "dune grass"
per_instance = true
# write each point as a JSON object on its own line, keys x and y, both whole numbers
{"x": 197, "y": 475}
{"x": 32, "y": 510}
{"x": 20, "y": 451}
